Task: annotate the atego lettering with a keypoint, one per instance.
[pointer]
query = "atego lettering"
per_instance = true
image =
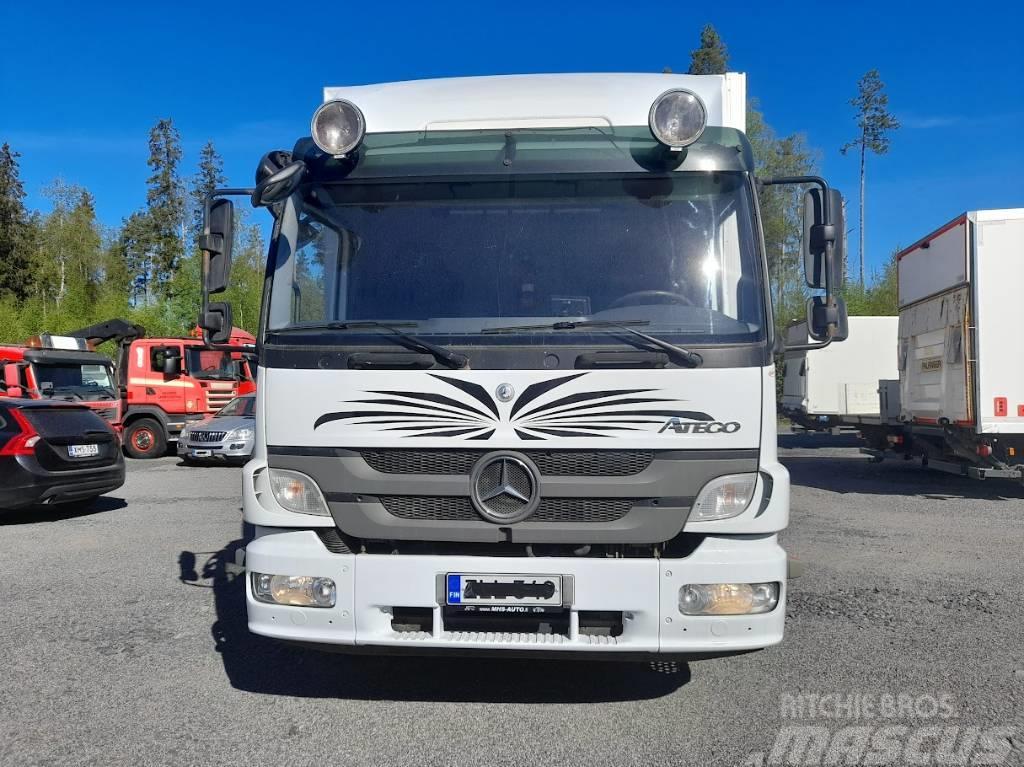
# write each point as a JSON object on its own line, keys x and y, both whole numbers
{"x": 699, "y": 427}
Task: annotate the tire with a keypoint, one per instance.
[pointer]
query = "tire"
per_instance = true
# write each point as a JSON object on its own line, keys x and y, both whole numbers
{"x": 145, "y": 438}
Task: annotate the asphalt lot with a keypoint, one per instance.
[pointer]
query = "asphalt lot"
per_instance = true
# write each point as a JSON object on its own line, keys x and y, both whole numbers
{"x": 124, "y": 642}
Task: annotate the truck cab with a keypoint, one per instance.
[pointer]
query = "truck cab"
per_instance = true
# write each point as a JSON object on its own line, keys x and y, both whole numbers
{"x": 61, "y": 368}
{"x": 166, "y": 383}
{"x": 516, "y": 383}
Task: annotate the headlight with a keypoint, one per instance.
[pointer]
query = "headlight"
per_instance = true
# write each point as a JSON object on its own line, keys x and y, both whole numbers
{"x": 728, "y": 598}
{"x": 724, "y": 497}
{"x": 295, "y": 590}
{"x": 185, "y": 433}
{"x": 297, "y": 492}
{"x": 677, "y": 118}
{"x": 338, "y": 127}
{"x": 235, "y": 434}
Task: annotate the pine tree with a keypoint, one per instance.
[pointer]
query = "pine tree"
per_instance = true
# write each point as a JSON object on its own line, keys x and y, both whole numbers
{"x": 165, "y": 205}
{"x": 209, "y": 176}
{"x": 15, "y": 229}
{"x": 712, "y": 58}
{"x": 874, "y": 122}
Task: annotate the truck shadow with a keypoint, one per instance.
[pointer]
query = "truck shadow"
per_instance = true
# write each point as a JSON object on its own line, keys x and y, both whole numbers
{"x": 893, "y": 477}
{"x": 819, "y": 440}
{"x": 256, "y": 664}
{"x": 60, "y": 512}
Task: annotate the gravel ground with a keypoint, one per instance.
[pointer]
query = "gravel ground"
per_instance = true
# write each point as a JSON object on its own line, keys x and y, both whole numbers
{"x": 124, "y": 642}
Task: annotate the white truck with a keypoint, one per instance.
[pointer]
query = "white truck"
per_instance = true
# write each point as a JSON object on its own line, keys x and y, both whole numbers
{"x": 959, "y": 351}
{"x": 827, "y": 388}
{"x": 528, "y": 322}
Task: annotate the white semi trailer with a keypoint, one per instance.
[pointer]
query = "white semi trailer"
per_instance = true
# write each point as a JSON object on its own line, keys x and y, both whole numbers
{"x": 956, "y": 399}
{"x": 827, "y": 388}
{"x": 516, "y": 389}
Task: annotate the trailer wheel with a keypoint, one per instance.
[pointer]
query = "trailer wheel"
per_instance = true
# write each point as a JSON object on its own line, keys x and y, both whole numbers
{"x": 145, "y": 439}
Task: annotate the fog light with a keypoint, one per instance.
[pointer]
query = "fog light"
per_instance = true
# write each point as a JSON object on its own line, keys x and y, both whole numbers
{"x": 728, "y": 598}
{"x": 295, "y": 590}
{"x": 297, "y": 492}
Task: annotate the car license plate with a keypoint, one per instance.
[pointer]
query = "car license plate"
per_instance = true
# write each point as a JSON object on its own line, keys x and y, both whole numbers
{"x": 500, "y": 590}
{"x": 83, "y": 451}
{"x": 201, "y": 453}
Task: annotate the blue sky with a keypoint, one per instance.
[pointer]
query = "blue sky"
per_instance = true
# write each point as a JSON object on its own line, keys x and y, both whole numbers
{"x": 81, "y": 83}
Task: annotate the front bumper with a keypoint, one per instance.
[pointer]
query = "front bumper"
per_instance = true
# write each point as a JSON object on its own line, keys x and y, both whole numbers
{"x": 644, "y": 590}
{"x": 223, "y": 451}
{"x": 25, "y": 483}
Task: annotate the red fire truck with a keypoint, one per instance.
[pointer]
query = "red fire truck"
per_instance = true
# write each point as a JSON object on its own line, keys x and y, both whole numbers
{"x": 167, "y": 382}
{"x": 63, "y": 368}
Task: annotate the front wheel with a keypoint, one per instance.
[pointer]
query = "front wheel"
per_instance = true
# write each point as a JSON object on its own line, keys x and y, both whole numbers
{"x": 145, "y": 439}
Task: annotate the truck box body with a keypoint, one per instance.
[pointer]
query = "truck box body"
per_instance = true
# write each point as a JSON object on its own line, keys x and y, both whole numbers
{"x": 824, "y": 385}
{"x": 960, "y": 348}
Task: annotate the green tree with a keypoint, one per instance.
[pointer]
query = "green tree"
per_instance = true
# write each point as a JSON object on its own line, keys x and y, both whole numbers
{"x": 164, "y": 224}
{"x": 68, "y": 260}
{"x": 15, "y": 226}
{"x": 874, "y": 123}
{"x": 879, "y": 296}
{"x": 209, "y": 176}
{"x": 712, "y": 57}
{"x": 781, "y": 210}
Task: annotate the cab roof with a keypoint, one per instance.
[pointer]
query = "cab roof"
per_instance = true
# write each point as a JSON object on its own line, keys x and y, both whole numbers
{"x": 537, "y": 101}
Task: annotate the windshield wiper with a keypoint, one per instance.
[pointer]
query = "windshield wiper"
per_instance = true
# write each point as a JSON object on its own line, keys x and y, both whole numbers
{"x": 439, "y": 353}
{"x": 678, "y": 353}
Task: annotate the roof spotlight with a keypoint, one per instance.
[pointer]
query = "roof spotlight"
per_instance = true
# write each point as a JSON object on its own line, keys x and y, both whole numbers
{"x": 677, "y": 118}
{"x": 338, "y": 127}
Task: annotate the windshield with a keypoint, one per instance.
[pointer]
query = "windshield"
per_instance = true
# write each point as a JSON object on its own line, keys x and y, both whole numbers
{"x": 457, "y": 257}
{"x": 244, "y": 406}
{"x": 210, "y": 364}
{"x": 75, "y": 382}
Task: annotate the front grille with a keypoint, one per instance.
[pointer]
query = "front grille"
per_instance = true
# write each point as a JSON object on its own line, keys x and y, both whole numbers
{"x": 561, "y": 463}
{"x": 218, "y": 399}
{"x": 438, "y": 508}
{"x": 207, "y": 436}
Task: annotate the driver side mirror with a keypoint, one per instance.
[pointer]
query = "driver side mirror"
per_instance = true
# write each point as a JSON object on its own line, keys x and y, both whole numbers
{"x": 167, "y": 360}
{"x": 827, "y": 321}
{"x": 818, "y": 232}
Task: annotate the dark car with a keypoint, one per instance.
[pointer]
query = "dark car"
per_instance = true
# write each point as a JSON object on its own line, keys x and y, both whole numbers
{"x": 52, "y": 452}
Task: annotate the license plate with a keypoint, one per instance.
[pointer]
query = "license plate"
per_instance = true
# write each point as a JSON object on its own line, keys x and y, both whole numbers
{"x": 201, "y": 453}
{"x": 83, "y": 451}
{"x": 498, "y": 590}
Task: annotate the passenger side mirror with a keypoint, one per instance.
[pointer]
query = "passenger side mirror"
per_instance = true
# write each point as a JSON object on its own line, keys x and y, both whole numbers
{"x": 827, "y": 321}
{"x": 216, "y": 242}
{"x": 818, "y": 233}
{"x": 217, "y": 321}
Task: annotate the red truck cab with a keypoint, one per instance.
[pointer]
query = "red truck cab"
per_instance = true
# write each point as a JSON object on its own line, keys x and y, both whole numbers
{"x": 164, "y": 383}
{"x": 61, "y": 368}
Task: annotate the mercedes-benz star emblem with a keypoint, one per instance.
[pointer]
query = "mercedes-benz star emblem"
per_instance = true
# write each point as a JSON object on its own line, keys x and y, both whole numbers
{"x": 505, "y": 392}
{"x": 504, "y": 487}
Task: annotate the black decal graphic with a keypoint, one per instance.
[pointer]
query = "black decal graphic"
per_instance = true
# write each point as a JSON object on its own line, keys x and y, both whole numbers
{"x": 589, "y": 414}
